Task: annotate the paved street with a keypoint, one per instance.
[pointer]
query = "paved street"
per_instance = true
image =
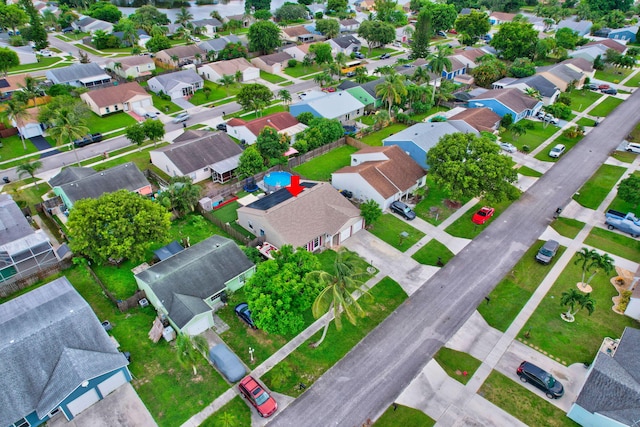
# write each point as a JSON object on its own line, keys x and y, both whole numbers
{"x": 403, "y": 344}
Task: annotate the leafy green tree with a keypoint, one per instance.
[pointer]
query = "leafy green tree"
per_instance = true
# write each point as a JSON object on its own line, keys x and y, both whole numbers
{"x": 278, "y": 293}
{"x": 154, "y": 130}
{"x": 29, "y": 168}
{"x": 12, "y": 16}
{"x": 116, "y": 226}
{"x": 422, "y": 36}
{"x": 291, "y": 12}
{"x": 339, "y": 288}
{"x": 147, "y": 16}
{"x": 158, "y": 43}
{"x": 254, "y": 96}
{"x": 322, "y": 52}
{"x": 16, "y": 111}
{"x": 576, "y": 301}
{"x": 629, "y": 190}
{"x": 377, "y": 33}
{"x": 386, "y": 11}
{"x": 329, "y": 28}
{"x": 257, "y": 5}
{"x": 362, "y": 75}
{"x": 489, "y": 70}
{"x": 135, "y": 133}
{"x": 271, "y": 144}
{"x": 567, "y": 38}
{"x": 264, "y": 37}
{"x": 232, "y": 51}
{"x": 181, "y": 196}
{"x": 472, "y": 26}
{"x": 522, "y": 67}
{"x": 544, "y": 47}
{"x": 371, "y": 212}
{"x": 442, "y": 16}
{"x": 8, "y": 59}
{"x": 227, "y": 81}
{"x": 105, "y": 11}
{"x": 190, "y": 350}
{"x": 515, "y": 40}
{"x": 35, "y": 32}
{"x": 250, "y": 162}
{"x": 337, "y": 5}
{"x": 602, "y": 7}
{"x": 305, "y": 118}
{"x": 470, "y": 166}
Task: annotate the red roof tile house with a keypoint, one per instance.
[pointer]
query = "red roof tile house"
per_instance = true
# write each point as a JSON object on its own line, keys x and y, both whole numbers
{"x": 383, "y": 174}
{"x": 318, "y": 217}
{"x": 283, "y": 122}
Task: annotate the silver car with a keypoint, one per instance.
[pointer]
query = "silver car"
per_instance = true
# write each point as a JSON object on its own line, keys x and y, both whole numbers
{"x": 557, "y": 151}
{"x": 508, "y": 147}
{"x": 182, "y": 117}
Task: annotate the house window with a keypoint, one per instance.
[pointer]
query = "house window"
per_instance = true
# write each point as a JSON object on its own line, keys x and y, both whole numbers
{"x": 115, "y": 107}
{"x": 242, "y": 278}
{"x": 107, "y": 110}
{"x": 22, "y": 422}
{"x": 54, "y": 412}
{"x": 250, "y": 225}
{"x": 217, "y": 295}
{"x": 315, "y": 243}
{"x": 261, "y": 232}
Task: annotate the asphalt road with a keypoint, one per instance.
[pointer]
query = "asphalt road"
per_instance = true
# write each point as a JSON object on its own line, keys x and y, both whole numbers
{"x": 368, "y": 379}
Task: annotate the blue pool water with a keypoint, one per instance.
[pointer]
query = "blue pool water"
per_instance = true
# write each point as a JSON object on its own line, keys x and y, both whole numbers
{"x": 276, "y": 180}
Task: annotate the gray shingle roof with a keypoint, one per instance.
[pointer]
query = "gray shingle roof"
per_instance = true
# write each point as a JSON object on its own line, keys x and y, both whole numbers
{"x": 184, "y": 280}
{"x": 70, "y": 174}
{"x": 613, "y": 385}
{"x": 13, "y": 224}
{"x": 209, "y": 21}
{"x": 346, "y": 41}
{"x": 76, "y": 72}
{"x": 126, "y": 176}
{"x": 65, "y": 344}
{"x": 171, "y": 80}
{"x": 369, "y": 87}
{"x": 219, "y": 43}
{"x": 197, "y": 153}
{"x": 539, "y": 83}
{"x": 427, "y": 135}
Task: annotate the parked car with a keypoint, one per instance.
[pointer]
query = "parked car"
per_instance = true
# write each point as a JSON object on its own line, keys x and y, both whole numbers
{"x": 150, "y": 115}
{"x": 540, "y": 114}
{"x": 385, "y": 56}
{"x": 346, "y": 193}
{"x": 603, "y": 87}
{"x": 633, "y": 147}
{"x": 67, "y": 30}
{"x": 483, "y": 215}
{"x": 45, "y": 52}
{"x": 227, "y": 362}
{"x": 441, "y": 34}
{"x": 182, "y": 117}
{"x": 243, "y": 312}
{"x": 530, "y": 373}
{"x": 89, "y": 139}
{"x": 610, "y": 91}
{"x": 258, "y": 397}
{"x": 487, "y": 38}
{"x": 547, "y": 252}
{"x": 508, "y": 147}
{"x": 453, "y": 31}
{"x": 403, "y": 210}
{"x": 222, "y": 127}
{"x": 359, "y": 55}
{"x": 592, "y": 86}
{"x": 195, "y": 39}
{"x": 549, "y": 118}
{"x": 557, "y": 151}
{"x": 351, "y": 74}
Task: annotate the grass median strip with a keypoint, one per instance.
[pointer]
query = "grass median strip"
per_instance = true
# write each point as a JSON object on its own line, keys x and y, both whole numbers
{"x": 236, "y": 410}
{"x": 457, "y": 364}
{"x": 433, "y": 252}
{"x": 594, "y": 191}
{"x": 400, "y": 415}
{"x": 396, "y": 232}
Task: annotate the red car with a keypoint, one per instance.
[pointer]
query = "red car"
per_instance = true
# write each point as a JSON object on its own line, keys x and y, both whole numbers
{"x": 453, "y": 31}
{"x": 603, "y": 87}
{"x": 483, "y": 215}
{"x": 329, "y": 89}
{"x": 253, "y": 391}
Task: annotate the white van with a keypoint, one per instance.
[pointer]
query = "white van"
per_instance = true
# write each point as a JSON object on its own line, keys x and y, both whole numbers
{"x": 633, "y": 147}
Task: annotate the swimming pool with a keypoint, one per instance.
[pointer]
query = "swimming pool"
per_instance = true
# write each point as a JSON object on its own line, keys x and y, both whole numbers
{"x": 276, "y": 180}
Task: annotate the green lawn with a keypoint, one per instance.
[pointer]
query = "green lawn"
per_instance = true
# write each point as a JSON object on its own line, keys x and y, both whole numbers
{"x": 582, "y": 99}
{"x": 515, "y": 398}
{"x": 388, "y": 228}
{"x": 605, "y": 107}
{"x": 433, "y": 251}
{"x": 533, "y": 138}
{"x": 237, "y": 409}
{"x": 306, "y": 364}
{"x": 465, "y": 228}
{"x": 514, "y": 290}
{"x": 44, "y": 62}
{"x": 404, "y": 416}
{"x": 432, "y": 110}
{"x": 458, "y": 365}
{"x": 562, "y": 139}
{"x": 579, "y": 341}
{"x": 300, "y": 70}
{"x": 277, "y": 108}
{"x": 321, "y": 167}
{"x": 633, "y": 81}
{"x": 623, "y": 206}
{"x": 567, "y": 227}
{"x": 271, "y": 78}
{"x": 217, "y": 92}
{"x": 613, "y": 74}
{"x": 377, "y": 51}
{"x": 166, "y": 107}
{"x": 433, "y": 208}
{"x": 614, "y": 243}
{"x": 586, "y": 122}
{"x": 624, "y": 156}
{"x": 12, "y": 148}
{"x": 527, "y": 171}
{"x": 90, "y": 50}
{"x": 228, "y": 213}
{"x": 375, "y": 138}
{"x": 110, "y": 122}
{"x": 594, "y": 191}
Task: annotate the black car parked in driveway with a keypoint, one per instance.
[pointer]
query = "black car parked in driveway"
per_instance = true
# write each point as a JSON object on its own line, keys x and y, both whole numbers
{"x": 530, "y": 373}
{"x": 243, "y": 312}
{"x": 89, "y": 139}
{"x": 403, "y": 210}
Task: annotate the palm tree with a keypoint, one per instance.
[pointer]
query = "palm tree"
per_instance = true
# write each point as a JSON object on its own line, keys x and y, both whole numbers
{"x": 198, "y": 57}
{"x": 285, "y": 96}
{"x": 384, "y": 70}
{"x": 334, "y": 70}
{"x": 362, "y": 75}
{"x": 238, "y": 76}
{"x": 420, "y": 75}
{"x": 307, "y": 61}
{"x": 350, "y": 273}
{"x": 534, "y": 93}
{"x": 183, "y": 17}
{"x": 392, "y": 90}
{"x": 601, "y": 262}
{"x": 158, "y": 30}
{"x": 187, "y": 349}
{"x": 31, "y": 89}
{"x": 586, "y": 259}
{"x": 380, "y": 119}
{"x": 175, "y": 59}
{"x": 29, "y": 169}
{"x": 520, "y": 128}
{"x": 67, "y": 127}
{"x": 341, "y": 59}
{"x": 226, "y": 81}
{"x": 16, "y": 111}
{"x": 572, "y": 299}
{"x": 440, "y": 62}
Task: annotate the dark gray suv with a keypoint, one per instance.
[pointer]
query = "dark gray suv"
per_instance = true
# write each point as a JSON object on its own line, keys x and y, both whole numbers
{"x": 547, "y": 252}
{"x": 530, "y": 373}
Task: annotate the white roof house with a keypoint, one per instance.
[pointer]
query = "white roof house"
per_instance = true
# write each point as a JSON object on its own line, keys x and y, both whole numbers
{"x": 337, "y": 105}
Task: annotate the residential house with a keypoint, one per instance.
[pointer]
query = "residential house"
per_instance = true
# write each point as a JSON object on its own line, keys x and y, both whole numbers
{"x": 469, "y": 56}
{"x": 112, "y": 99}
{"x": 582, "y": 28}
{"x": 507, "y": 101}
{"x": 200, "y": 155}
{"x": 90, "y": 25}
{"x": 402, "y": 33}
{"x": 126, "y": 176}
{"x": 349, "y": 25}
{"x": 382, "y": 174}
{"x": 628, "y": 34}
{"x": 214, "y": 71}
{"x": 24, "y": 250}
{"x": 29, "y": 125}
{"x": 132, "y": 67}
{"x": 208, "y": 26}
{"x": 282, "y": 122}
{"x": 536, "y": 22}
{"x": 590, "y": 53}
{"x": 125, "y": 42}
{"x": 178, "y": 84}
{"x": 300, "y": 34}
{"x": 79, "y": 75}
{"x": 274, "y": 63}
{"x": 633, "y": 308}
{"x": 10, "y": 84}
{"x": 217, "y": 45}
{"x": 181, "y": 55}
{"x": 481, "y": 119}
{"x": 299, "y": 51}
{"x": 457, "y": 68}
{"x": 319, "y": 217}
{"x": 619, "y": 47}
{"x": 346, "y": 44}
{"x": 57, "y": 357}
{"x": 187, "y": 286}
{"x": 363, "y": 92}
{"x": 602, "y": 32}
{"x": 545, "y": 87}
{"x": 368, "y": 5}
{"x": 245, "y": 19}
{"x": 562, "y": 75}
{"x": 582, "y": 65}
{"x": 497, "y": 18}
{"x": 611, "y": 392}
{"x": 418, "y": 139}
{"x": 337, "y": 105}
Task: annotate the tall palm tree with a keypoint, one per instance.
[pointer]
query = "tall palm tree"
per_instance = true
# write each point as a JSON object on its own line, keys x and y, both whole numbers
{"x": 572, "y": 299}
{"x": 337, "y": 296}
{"x": 440, "y": 62}
{"x": 158, "y": 30}
{"x": 183, "y": 17}
{"x": 187, "y": 349}
{"x": 67, "y": 127}
{"x": 362, "y": 75}
{"x": 16, "y": 111}
{"x": 341, "y": 59}
{"x": 226, "y": 81}
{"x": 392, "y": 90}
{"x": 384, "y": 70}
{"x": 602, "y": 262}
{"x": 420, "y": 75}
{"x": 30, "y": 169}
{"x": 285, "y": 96}
{"x": 31, "y": 89}
{"x": 586, "y": 260}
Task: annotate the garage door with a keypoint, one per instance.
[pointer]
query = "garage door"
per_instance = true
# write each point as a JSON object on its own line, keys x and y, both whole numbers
{"x": 345, "y": 234}
{"x": 147, "y": 102}
{"x": 356, "y": 227}
{"x": 111, "y": 383}
{"x": 83, "y": 402}
{"x": 199, "y": 326}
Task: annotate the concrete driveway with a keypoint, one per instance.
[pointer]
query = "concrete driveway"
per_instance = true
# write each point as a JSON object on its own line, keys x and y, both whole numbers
{"x": 122, "y": 408}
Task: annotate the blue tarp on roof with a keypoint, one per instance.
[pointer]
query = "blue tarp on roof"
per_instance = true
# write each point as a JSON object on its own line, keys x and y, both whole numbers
{"x": 168, "y": 251}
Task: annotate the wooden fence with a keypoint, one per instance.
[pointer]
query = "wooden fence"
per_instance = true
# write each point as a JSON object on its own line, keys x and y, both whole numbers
{"x": 235, "y": 234}
{"x": 11, "y": 287}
